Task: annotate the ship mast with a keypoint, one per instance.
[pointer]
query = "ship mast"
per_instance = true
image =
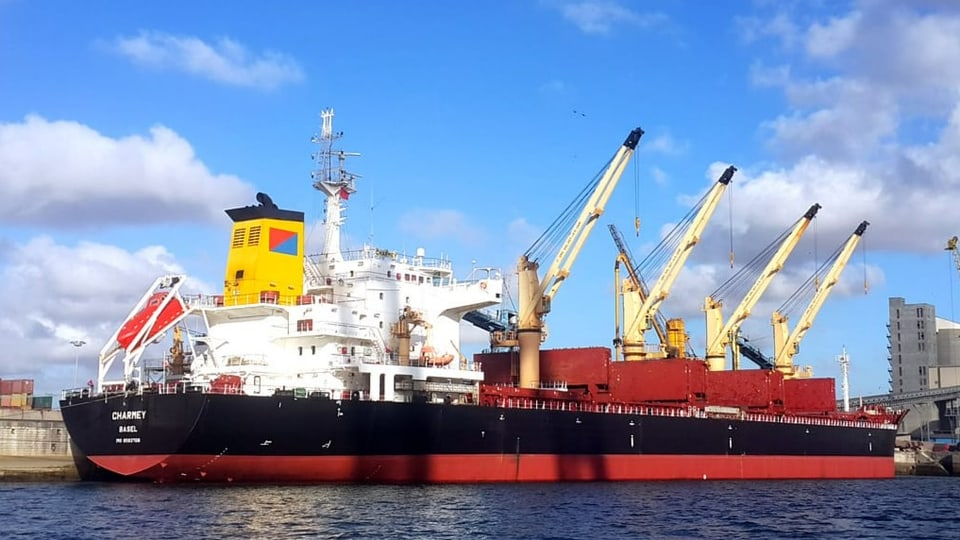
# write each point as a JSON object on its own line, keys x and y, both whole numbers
{"x": 334, "y": 181}
{"x": 845, "y": 381}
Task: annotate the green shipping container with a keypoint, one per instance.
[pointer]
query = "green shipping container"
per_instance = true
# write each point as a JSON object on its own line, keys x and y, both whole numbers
{"x": 41, "y": 402}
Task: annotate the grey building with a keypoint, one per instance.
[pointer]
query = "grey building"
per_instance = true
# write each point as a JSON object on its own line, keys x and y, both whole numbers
{"x": 924, "y": 355}
{"x": 912, "y": 332}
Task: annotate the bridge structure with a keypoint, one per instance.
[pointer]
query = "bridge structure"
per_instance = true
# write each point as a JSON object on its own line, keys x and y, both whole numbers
{"x": 932, "y": 412}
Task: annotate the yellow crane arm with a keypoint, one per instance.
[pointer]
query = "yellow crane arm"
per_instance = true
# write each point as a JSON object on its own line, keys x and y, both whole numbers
{"x": 591, "y": 212}
{"x": 534, "y": 295}
{"x": 783, "y": 356}
{"x": 642, "y": 320}
{"x": 535, "y": 307}
{"x": 636, "y": 284}
{"x": 718, "y": 337}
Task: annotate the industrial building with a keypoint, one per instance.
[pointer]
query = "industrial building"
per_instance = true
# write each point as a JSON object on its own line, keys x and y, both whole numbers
{"x": 924, "y": 359}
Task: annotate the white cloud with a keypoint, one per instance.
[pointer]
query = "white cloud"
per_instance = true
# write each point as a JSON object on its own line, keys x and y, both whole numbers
{"x": 52, "y": 293}
{"x": 830, "y": 39}
{"x": 660, "y": 177}
{"x": 762, "y": 75}
{"x": 554, "y": 87}
{"x": 522, "y": 232}
{"x": 780, "y": 26}
{"x": 225, "y": 61}
{"x": 437, "y": 224}
{"x": 601, "y": 16}
{"x": 862, "y": 80}
{"x": 66, "y": 174}
{"x": 663, "y": 144}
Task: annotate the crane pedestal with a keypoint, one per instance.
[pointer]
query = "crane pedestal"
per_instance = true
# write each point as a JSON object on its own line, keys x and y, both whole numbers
{"x": 529, "y": 357}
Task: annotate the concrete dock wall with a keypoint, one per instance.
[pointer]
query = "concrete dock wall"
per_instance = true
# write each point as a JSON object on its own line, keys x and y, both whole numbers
{"x": 30, "y": 433}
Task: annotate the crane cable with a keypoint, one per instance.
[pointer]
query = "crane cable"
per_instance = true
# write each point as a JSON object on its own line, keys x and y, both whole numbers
{"x": 636, "y": 197}
{"x": 863, "y": 251}
{"x": 816, "y": 258}
{"x": 730, "y": 206}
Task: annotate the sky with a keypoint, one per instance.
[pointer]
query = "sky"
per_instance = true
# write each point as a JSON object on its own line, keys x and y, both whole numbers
{"x": 126, "y": 130}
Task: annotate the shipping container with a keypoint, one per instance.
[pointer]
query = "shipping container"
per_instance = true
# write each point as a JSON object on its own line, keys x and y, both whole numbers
{"x": 41, "y": 402}
{"x": 18, "y": 400}
{"x": 16, "y": 386}
{"x": 5, "y": 400}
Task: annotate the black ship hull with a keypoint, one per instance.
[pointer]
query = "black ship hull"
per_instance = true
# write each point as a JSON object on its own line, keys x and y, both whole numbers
{"x": 223, "y": 438}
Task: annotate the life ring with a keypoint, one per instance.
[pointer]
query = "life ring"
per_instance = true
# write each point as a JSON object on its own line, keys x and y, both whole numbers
{"x": 483, "y": 285}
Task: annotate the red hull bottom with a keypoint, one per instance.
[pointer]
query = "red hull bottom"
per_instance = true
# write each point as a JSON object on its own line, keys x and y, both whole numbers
{"x": 474, "y": 468}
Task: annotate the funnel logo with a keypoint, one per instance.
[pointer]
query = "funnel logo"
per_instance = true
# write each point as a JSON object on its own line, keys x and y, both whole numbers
{"x": 282, "y": 241}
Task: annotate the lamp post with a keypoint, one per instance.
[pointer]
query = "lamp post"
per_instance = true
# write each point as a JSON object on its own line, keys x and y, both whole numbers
{"x": 76, "y": 358}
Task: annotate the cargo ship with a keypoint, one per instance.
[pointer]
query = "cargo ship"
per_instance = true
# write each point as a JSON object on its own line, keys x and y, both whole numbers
{"x": 347, "y": 367}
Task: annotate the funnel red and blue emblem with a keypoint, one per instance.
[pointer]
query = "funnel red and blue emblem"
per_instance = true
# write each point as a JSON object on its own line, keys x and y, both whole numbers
{"x": 283, "y": 241}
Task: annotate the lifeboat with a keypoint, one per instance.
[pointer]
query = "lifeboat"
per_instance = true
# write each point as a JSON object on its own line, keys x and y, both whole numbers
{"x": 127, "y": 336}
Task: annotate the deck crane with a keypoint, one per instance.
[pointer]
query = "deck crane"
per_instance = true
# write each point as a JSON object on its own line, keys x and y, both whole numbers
{"x": 720, "y": 335}
{"x": 784, "y": 347}
{"x": 634, "y": 344}
{"x": 535, "y": 295}
{"x": 632, "y": 288}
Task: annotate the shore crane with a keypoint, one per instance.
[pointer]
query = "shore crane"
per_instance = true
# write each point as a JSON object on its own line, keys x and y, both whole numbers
{"x": 535, "y": 295}
{"x": 952, "y": 248}
{"x": 719, "y": 335}
{"x": 786, "y": 344}
{"x": 642, "y": 315}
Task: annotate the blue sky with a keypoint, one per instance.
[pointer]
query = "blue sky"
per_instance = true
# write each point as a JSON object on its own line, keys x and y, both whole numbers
{"x": 126, "y": 129}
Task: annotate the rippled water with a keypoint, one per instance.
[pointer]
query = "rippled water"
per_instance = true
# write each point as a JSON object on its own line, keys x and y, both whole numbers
{"x": 901, "y": 508}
